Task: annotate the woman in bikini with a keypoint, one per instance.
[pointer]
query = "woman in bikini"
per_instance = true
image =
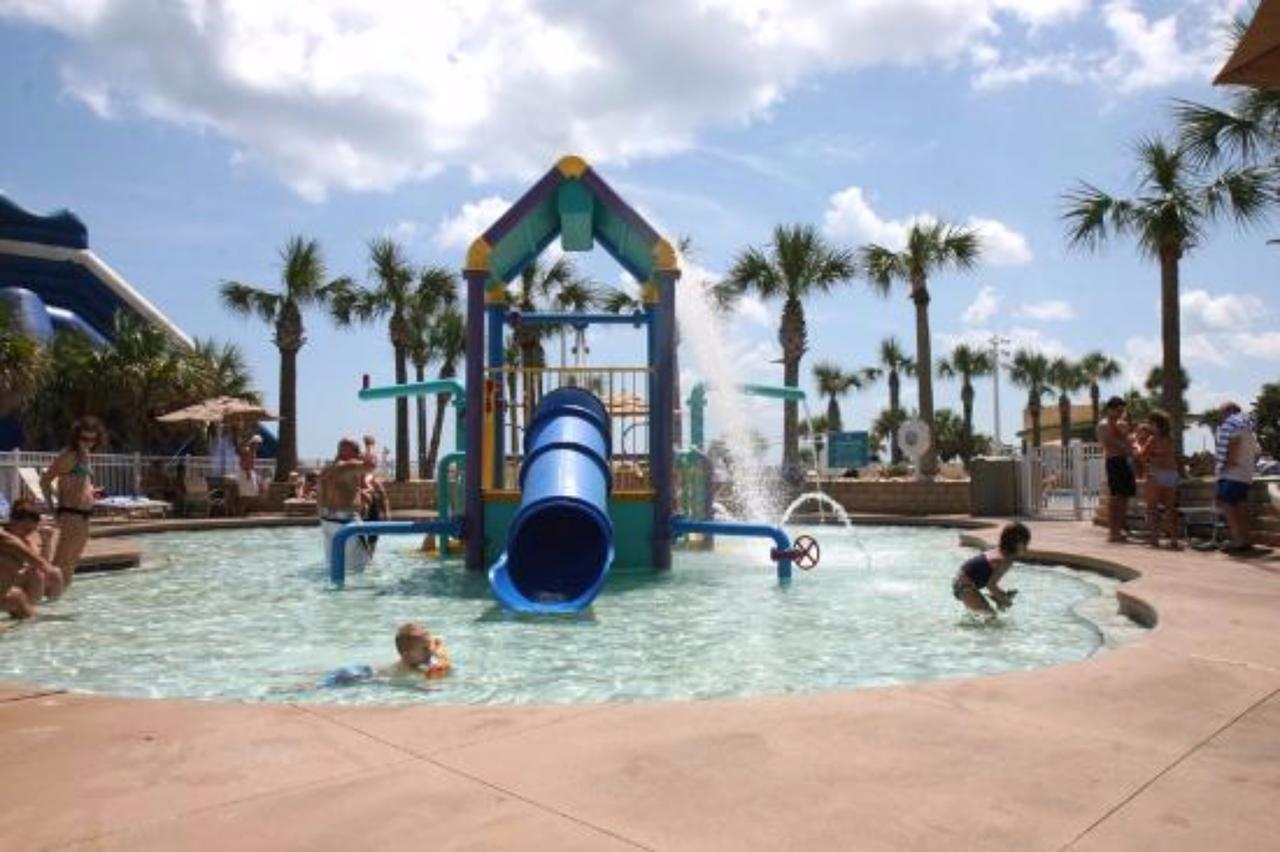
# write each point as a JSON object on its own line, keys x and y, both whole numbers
{"x": 1157, "y": 454}
{"x": 76, "y": 494}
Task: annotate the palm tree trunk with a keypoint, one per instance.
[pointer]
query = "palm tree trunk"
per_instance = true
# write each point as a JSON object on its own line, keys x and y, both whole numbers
{"x": 833, "y": 415}
{"x": 1064, "y": 419}
{"x": 792, "y": 338}
{"x": 1033, "y": 406}
{"x": 287, "y": 451}
{"x": 424, "y": 471}
{"x": 928, "y": 464}
{"x": 402, "y": 418}
{"x": 446, "y": 372}
{"x": 1171, "y": 338}
{"x": 895, "y": 452}
{"x": 966, "y": 440}
{"x": 1095, "y": 399}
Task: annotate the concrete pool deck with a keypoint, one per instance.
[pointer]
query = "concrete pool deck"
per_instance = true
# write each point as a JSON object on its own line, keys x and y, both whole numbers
{"x": 1171, "y": 742}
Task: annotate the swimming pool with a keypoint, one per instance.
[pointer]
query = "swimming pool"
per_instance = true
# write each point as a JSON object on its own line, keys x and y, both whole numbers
{"x": 249, "y": 615}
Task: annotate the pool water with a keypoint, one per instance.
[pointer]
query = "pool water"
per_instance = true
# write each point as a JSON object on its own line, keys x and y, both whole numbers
{"x": 250, "y": 615}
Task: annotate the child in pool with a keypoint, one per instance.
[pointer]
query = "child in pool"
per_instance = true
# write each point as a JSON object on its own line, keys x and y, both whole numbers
{"x": 421, "y": 656}
{"x": 985, "y": 571}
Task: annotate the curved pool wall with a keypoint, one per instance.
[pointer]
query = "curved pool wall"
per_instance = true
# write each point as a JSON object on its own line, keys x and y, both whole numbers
{"x": 249, "y": 615}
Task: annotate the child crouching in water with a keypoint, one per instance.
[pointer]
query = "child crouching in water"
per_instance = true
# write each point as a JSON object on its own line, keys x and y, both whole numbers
{"x": 421, "y": 656}
{"x": 985, "y": 571}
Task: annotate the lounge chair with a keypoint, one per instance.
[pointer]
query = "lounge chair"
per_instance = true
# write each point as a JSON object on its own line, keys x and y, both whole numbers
{"x": 30, "y": 487}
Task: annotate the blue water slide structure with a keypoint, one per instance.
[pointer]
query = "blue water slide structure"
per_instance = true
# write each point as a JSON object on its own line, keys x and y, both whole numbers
{"x": 560, "y": 541}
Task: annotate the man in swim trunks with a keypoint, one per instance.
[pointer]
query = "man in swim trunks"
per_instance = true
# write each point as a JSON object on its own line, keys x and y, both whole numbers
{"x": 1118, "y": 450}
{"x": 1236, "y": 460}
{"x": 26, "y": 577}
{"x": 985, "y": 571}
{"x": 76, "y": 493}
{"x": 340, "y": 499}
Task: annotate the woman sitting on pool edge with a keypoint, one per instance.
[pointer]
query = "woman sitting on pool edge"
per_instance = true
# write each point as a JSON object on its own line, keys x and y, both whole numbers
{"x": 985, "y": 571}
{"x": 421, "y": 656}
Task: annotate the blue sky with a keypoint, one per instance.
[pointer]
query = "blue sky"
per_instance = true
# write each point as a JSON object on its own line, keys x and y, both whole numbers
{"x": 195, "y": 138}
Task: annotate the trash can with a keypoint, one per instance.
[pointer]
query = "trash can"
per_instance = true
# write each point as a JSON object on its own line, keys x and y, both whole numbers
{"x": 993, "y": 486}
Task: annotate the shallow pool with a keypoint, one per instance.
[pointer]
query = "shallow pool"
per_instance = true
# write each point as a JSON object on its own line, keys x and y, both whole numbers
{"x": 249, "y": 615}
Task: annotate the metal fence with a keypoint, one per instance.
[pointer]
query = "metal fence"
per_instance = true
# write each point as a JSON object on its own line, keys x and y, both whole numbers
{"x": 118, "y": 474}
{"x": 624, "y": 391}
{"x": 1060, "y": 482}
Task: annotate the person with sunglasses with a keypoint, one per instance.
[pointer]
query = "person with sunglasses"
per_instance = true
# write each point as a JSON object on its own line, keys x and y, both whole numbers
{"x": 76, "y": 493}
{"x": 26, "y": 577}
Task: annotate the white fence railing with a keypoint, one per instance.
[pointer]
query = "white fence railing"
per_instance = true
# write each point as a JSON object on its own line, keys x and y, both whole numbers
{"x": 1060, "y": 482}
{"x": 119, "y": 474}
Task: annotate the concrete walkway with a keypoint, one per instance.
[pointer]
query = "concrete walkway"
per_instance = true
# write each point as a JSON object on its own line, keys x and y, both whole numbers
{"x": 1170, "y": 743}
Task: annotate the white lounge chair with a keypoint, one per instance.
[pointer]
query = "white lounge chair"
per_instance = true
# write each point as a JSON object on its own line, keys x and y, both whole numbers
{"x": 30, "y": 487}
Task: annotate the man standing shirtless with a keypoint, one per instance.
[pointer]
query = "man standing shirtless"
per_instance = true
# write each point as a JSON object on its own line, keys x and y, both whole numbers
{"x": 1116, "y": 447}
{"x": 340, "y": 499}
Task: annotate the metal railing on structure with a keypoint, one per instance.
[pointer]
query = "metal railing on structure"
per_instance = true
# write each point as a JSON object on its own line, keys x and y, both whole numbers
{"x": 624, "y": 391}
{"x": 118, "y": 474}
{"x": 1060, "y": 482}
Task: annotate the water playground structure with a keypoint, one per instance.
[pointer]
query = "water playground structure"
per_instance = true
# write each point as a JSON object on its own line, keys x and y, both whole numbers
{"x": 562, "y": 474}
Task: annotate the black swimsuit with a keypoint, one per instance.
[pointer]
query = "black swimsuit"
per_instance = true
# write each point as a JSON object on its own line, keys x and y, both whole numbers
{"x": 975, "y": 573}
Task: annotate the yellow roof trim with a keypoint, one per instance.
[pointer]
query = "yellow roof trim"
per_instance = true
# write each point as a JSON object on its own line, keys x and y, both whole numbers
{"x": 478, "y": 254}
{"x": 572, "y": 166}
{"x": 664, "y": 256}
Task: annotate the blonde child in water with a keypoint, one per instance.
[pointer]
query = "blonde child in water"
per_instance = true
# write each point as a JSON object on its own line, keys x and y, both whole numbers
{"x": 421, "y": 656}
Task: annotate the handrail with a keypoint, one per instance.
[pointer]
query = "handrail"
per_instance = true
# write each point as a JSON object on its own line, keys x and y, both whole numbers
{"x": 681, "y": 525}
{"x": 338, "y": 552}
{"x": 445, "y": 387}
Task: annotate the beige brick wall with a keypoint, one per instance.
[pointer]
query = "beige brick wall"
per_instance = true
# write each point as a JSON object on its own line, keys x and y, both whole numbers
{"x": 901, "y": 498}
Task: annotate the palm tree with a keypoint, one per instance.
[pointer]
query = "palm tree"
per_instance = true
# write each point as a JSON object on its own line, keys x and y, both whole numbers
{"x": 931, "y": 247}
{"x": 576, "y": 296}
{"x": 894, "y": 363}
{"x": 390, "y": 296}
{"x": 796, "y": 264}
{"x": 1067, "y": 377}
{"x": 885, "y": 428}
{"x": 22, "y": 365}
{"x": 967, "y": 363}
{"x": 1167, "y": 217}
{"x": 302, "y": 283}
{"x": 448, "y": 344}
{"x": 833, "y": 383}
{"x": 1098, "y": 367}
{"x": 539, "y": 284}
{"x": 437, "y": 289}
{"x": 224, "y": 368}
{"x": 1030, "y": 370}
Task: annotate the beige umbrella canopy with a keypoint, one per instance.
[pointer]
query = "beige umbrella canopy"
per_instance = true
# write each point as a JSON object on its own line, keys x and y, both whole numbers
{"x": 219, "y": 409}
{"x": 1256, "y": 59}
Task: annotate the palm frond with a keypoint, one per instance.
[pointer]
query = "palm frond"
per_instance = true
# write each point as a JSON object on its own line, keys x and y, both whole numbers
{"x": 247, "y": 300}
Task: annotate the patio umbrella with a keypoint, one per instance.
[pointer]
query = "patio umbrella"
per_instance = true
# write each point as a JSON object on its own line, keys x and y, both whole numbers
{"x": 1256, "y": 59}
{"x": 219, "y": 409}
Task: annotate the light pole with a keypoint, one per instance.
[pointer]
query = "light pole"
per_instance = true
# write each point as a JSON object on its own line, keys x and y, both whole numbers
{"x": 997, "y": 350}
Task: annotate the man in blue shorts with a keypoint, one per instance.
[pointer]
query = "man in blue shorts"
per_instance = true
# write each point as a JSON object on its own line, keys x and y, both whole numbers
{"x": 1113, "y": 434}
{"x": 1236, "y": 457}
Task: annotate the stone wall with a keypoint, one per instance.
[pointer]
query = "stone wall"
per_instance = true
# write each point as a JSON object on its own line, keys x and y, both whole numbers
{"x": 417, "y": 494}
{"x": 893, "y": 497}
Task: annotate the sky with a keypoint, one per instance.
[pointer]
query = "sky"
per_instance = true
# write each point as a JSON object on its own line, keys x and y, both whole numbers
{"x": 194, "y": 138}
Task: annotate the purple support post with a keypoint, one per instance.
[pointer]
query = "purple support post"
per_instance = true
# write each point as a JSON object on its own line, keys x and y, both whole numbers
{"x": 662, "y": 357}
{"x": 473, "y": 524}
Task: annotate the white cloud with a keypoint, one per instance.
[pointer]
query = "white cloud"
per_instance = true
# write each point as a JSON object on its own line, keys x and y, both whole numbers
{"x": 1202, "y": 311}
{"x": 1263, "y": 345}
{"x": 471, "y": 221}
{"x": 849, "y": 215}
{"x": 355, "y": 96}
{"x": 982, "y": 308}
{"x": 1144, "y": 53}
{"x": 1001, "y": 245}
{"x": 1018, "y": 337}
{"x": 1050, "y": 309}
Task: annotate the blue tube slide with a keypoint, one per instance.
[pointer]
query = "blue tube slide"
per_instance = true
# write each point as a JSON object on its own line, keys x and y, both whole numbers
{"x": 560, "y": 541}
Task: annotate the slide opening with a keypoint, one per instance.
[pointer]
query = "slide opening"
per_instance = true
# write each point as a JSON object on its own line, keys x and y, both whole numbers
{"x": 557, "y": 551}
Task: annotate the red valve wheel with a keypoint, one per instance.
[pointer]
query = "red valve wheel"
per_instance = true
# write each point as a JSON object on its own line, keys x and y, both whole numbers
{"x": 807, "y": 553}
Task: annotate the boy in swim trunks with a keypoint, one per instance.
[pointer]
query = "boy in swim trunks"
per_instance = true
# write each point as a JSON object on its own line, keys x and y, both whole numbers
{"x": 985, "y": 571}
{"x": 1121, "y": 484}
{"x": 26, "y": 577}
